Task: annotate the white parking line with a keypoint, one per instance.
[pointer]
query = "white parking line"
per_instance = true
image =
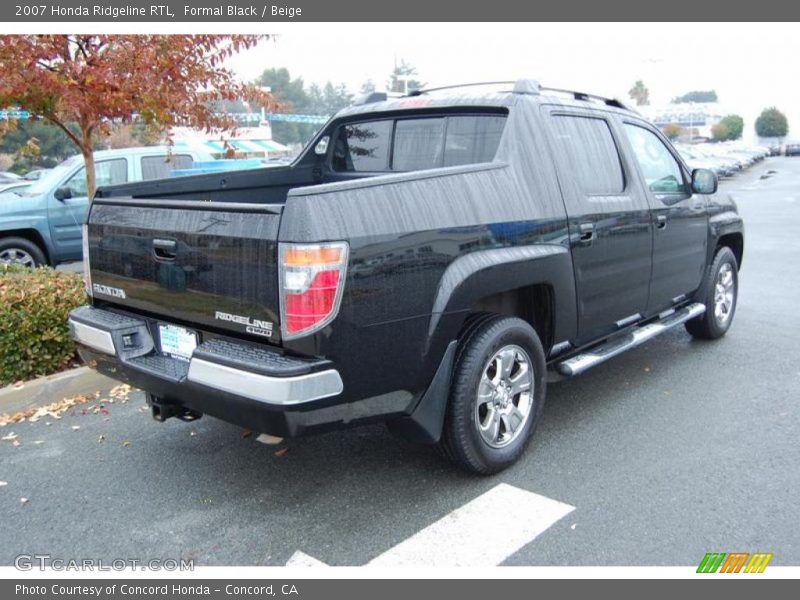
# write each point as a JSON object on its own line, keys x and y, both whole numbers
{"x": 483, "y": 532}
{"x": 301, "y": 559}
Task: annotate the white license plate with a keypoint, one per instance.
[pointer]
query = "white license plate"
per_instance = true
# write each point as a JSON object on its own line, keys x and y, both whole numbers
{"x": 177, "y": 341}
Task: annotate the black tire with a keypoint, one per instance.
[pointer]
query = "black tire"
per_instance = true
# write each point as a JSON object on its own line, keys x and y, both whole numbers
{"x": 17, "y": 246}
{"x": 710, "y": 326}
{"x": 462, "y": 441}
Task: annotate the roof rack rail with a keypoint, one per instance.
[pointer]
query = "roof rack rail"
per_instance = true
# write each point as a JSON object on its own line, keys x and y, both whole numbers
{"x": 615, "y": 102}
{"x": 530, "y": 86}
{"x": 458, "y": 85}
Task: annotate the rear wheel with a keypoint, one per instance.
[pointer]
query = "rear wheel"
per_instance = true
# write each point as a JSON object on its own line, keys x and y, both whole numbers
{"x": 22, "y": 252}
{"x": 721, "y": 292}
{"x": 497, "y": 394}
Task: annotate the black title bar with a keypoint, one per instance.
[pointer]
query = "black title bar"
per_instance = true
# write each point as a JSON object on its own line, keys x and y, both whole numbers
{"x": 211, "y": 11}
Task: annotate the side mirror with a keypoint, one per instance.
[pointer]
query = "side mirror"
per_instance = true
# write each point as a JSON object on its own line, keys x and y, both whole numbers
{"x": 704, "y": 181}
{"x": 63, "y": 193}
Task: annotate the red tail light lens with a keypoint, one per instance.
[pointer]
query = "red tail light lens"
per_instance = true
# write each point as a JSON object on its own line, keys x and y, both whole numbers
{"x": 312, "y": 281}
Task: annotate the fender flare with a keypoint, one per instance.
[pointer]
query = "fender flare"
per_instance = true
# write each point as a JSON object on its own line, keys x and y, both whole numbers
{"x": 486, "y": 272}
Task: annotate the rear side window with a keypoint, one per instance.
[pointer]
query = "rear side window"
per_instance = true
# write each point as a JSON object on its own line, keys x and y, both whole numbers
{"x": 472, "y": 139}
{"x": 159, "y": 167}
{"x": 416, "y": 144}
{"x": 590, "y": 153}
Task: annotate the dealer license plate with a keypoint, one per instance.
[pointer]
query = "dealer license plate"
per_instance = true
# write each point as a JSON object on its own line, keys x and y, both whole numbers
{"x": 177, "y": 341}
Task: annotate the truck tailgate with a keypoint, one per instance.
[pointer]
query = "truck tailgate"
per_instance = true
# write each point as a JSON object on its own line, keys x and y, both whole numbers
{"x": 205, "y": 263}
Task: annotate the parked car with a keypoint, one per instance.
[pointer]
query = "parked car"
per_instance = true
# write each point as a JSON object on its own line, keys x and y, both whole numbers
{"x": 429, "y": 261}
{"x": 792, "y": 149}
{"x": 8, "y": 177}
{"x": 42, "y": 224}
{"x": 697, "y": 160}
{"x": 36, "y": 174}
{"x": 17, "y": 187}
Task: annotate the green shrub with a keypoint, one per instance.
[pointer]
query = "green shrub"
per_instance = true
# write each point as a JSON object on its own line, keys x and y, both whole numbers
{"x": 34, "y": 336}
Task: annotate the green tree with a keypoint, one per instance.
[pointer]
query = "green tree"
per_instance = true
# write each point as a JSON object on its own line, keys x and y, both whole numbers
{"x": 52, "y": 145}
{"x": 696, "y": 96}
{"x": 639, "y": 93}
{"x": 728, "y": 128}
{"x": 772, "y": 123}
{"x": 296, "y": 98}
{"x": 672, "y": 130}
{"x": 404, "y": 78}
{"x": 291, "y": 93}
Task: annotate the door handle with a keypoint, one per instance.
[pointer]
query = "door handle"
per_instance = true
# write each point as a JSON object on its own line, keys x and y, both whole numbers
{"x": 586, "y": 233}
{"x": 661, "y": 221}
{"x": 165, "y": 249}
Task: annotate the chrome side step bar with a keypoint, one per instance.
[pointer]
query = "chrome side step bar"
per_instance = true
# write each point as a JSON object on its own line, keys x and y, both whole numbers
{"x": 619, "y": 344}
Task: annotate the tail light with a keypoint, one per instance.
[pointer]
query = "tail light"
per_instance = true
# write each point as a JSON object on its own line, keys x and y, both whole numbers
{"x": 87, "y": 274}
{"x": 311, "y": 285}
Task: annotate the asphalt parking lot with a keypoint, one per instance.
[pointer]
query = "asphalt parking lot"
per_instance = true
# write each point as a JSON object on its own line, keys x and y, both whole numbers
{"x": 667, "y": 452}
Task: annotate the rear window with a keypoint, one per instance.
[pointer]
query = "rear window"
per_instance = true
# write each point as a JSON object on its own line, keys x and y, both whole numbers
{"x": 363, "y": 147}
{"x": 416, "y": 144}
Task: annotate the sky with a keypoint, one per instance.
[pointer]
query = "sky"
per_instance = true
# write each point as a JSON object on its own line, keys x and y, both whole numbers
{"x": 750, "y": 66}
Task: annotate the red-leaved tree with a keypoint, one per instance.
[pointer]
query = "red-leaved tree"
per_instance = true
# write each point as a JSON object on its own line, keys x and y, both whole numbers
{"x": 84, "y": 84}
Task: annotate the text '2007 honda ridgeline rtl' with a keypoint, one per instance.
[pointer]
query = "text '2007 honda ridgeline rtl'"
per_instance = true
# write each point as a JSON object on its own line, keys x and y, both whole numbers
{"x": 429, "y": 261}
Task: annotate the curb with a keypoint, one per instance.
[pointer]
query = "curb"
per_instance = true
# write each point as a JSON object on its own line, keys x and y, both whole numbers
{"x": 53, "y": 388}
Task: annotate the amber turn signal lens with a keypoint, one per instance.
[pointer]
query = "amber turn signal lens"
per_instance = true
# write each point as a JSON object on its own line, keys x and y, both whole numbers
{"x": 308, "y": 256}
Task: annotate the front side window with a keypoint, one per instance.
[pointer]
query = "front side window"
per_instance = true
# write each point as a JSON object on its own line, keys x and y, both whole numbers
{"x": 107, "y": 172}
{"x": 661, "y": 171}
{"x": 590, "y": 153}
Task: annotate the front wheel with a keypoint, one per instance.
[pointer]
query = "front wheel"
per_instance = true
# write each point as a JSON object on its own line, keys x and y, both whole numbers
{"x": 496, "y": 397}
{"x": 721, "y": 293}
{"x": 21, "y": 252}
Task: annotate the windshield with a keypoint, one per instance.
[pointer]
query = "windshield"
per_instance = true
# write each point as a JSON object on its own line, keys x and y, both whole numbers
{"x": 53, "y": 177}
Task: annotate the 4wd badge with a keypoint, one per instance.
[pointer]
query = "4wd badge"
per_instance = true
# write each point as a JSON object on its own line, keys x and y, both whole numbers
{"x": 254, "y": 326}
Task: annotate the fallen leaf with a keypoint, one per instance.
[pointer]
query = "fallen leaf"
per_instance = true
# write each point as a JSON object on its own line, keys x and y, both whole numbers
{"x": 3, "y": 483}
{"x": 246, "y": 433}
{"x": 15, "y": 443}
{"x": 23, "y": 500}
{"x": 9, "y": 437}
{"x": 101, "y": 439}
{"x": 573, "y": 526}
{"x": 281, "y": 452}
{"x": 268, "y": 439}
{"x": 37, "y": 442}
{"x": 125, "y": 444}
{"x": 76, "y": 427}
{"x": 192, "y": 433}
{"x": 19, "y": 384}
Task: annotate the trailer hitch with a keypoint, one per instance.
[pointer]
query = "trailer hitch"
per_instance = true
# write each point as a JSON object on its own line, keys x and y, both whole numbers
{"x": 162, "y": 410}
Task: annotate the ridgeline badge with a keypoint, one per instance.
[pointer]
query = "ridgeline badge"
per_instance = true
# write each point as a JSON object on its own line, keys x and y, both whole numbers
{"x": 254, "y": 326}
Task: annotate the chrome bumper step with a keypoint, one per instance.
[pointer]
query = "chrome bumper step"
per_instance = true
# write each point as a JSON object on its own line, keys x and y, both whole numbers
{"x": 617, "y": 345}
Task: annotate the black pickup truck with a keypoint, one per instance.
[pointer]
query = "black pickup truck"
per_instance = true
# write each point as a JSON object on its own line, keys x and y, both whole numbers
{"x": 430, "y": 261}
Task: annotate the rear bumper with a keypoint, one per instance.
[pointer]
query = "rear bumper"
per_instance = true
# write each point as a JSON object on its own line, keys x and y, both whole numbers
{"x": 251, "y": 386}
